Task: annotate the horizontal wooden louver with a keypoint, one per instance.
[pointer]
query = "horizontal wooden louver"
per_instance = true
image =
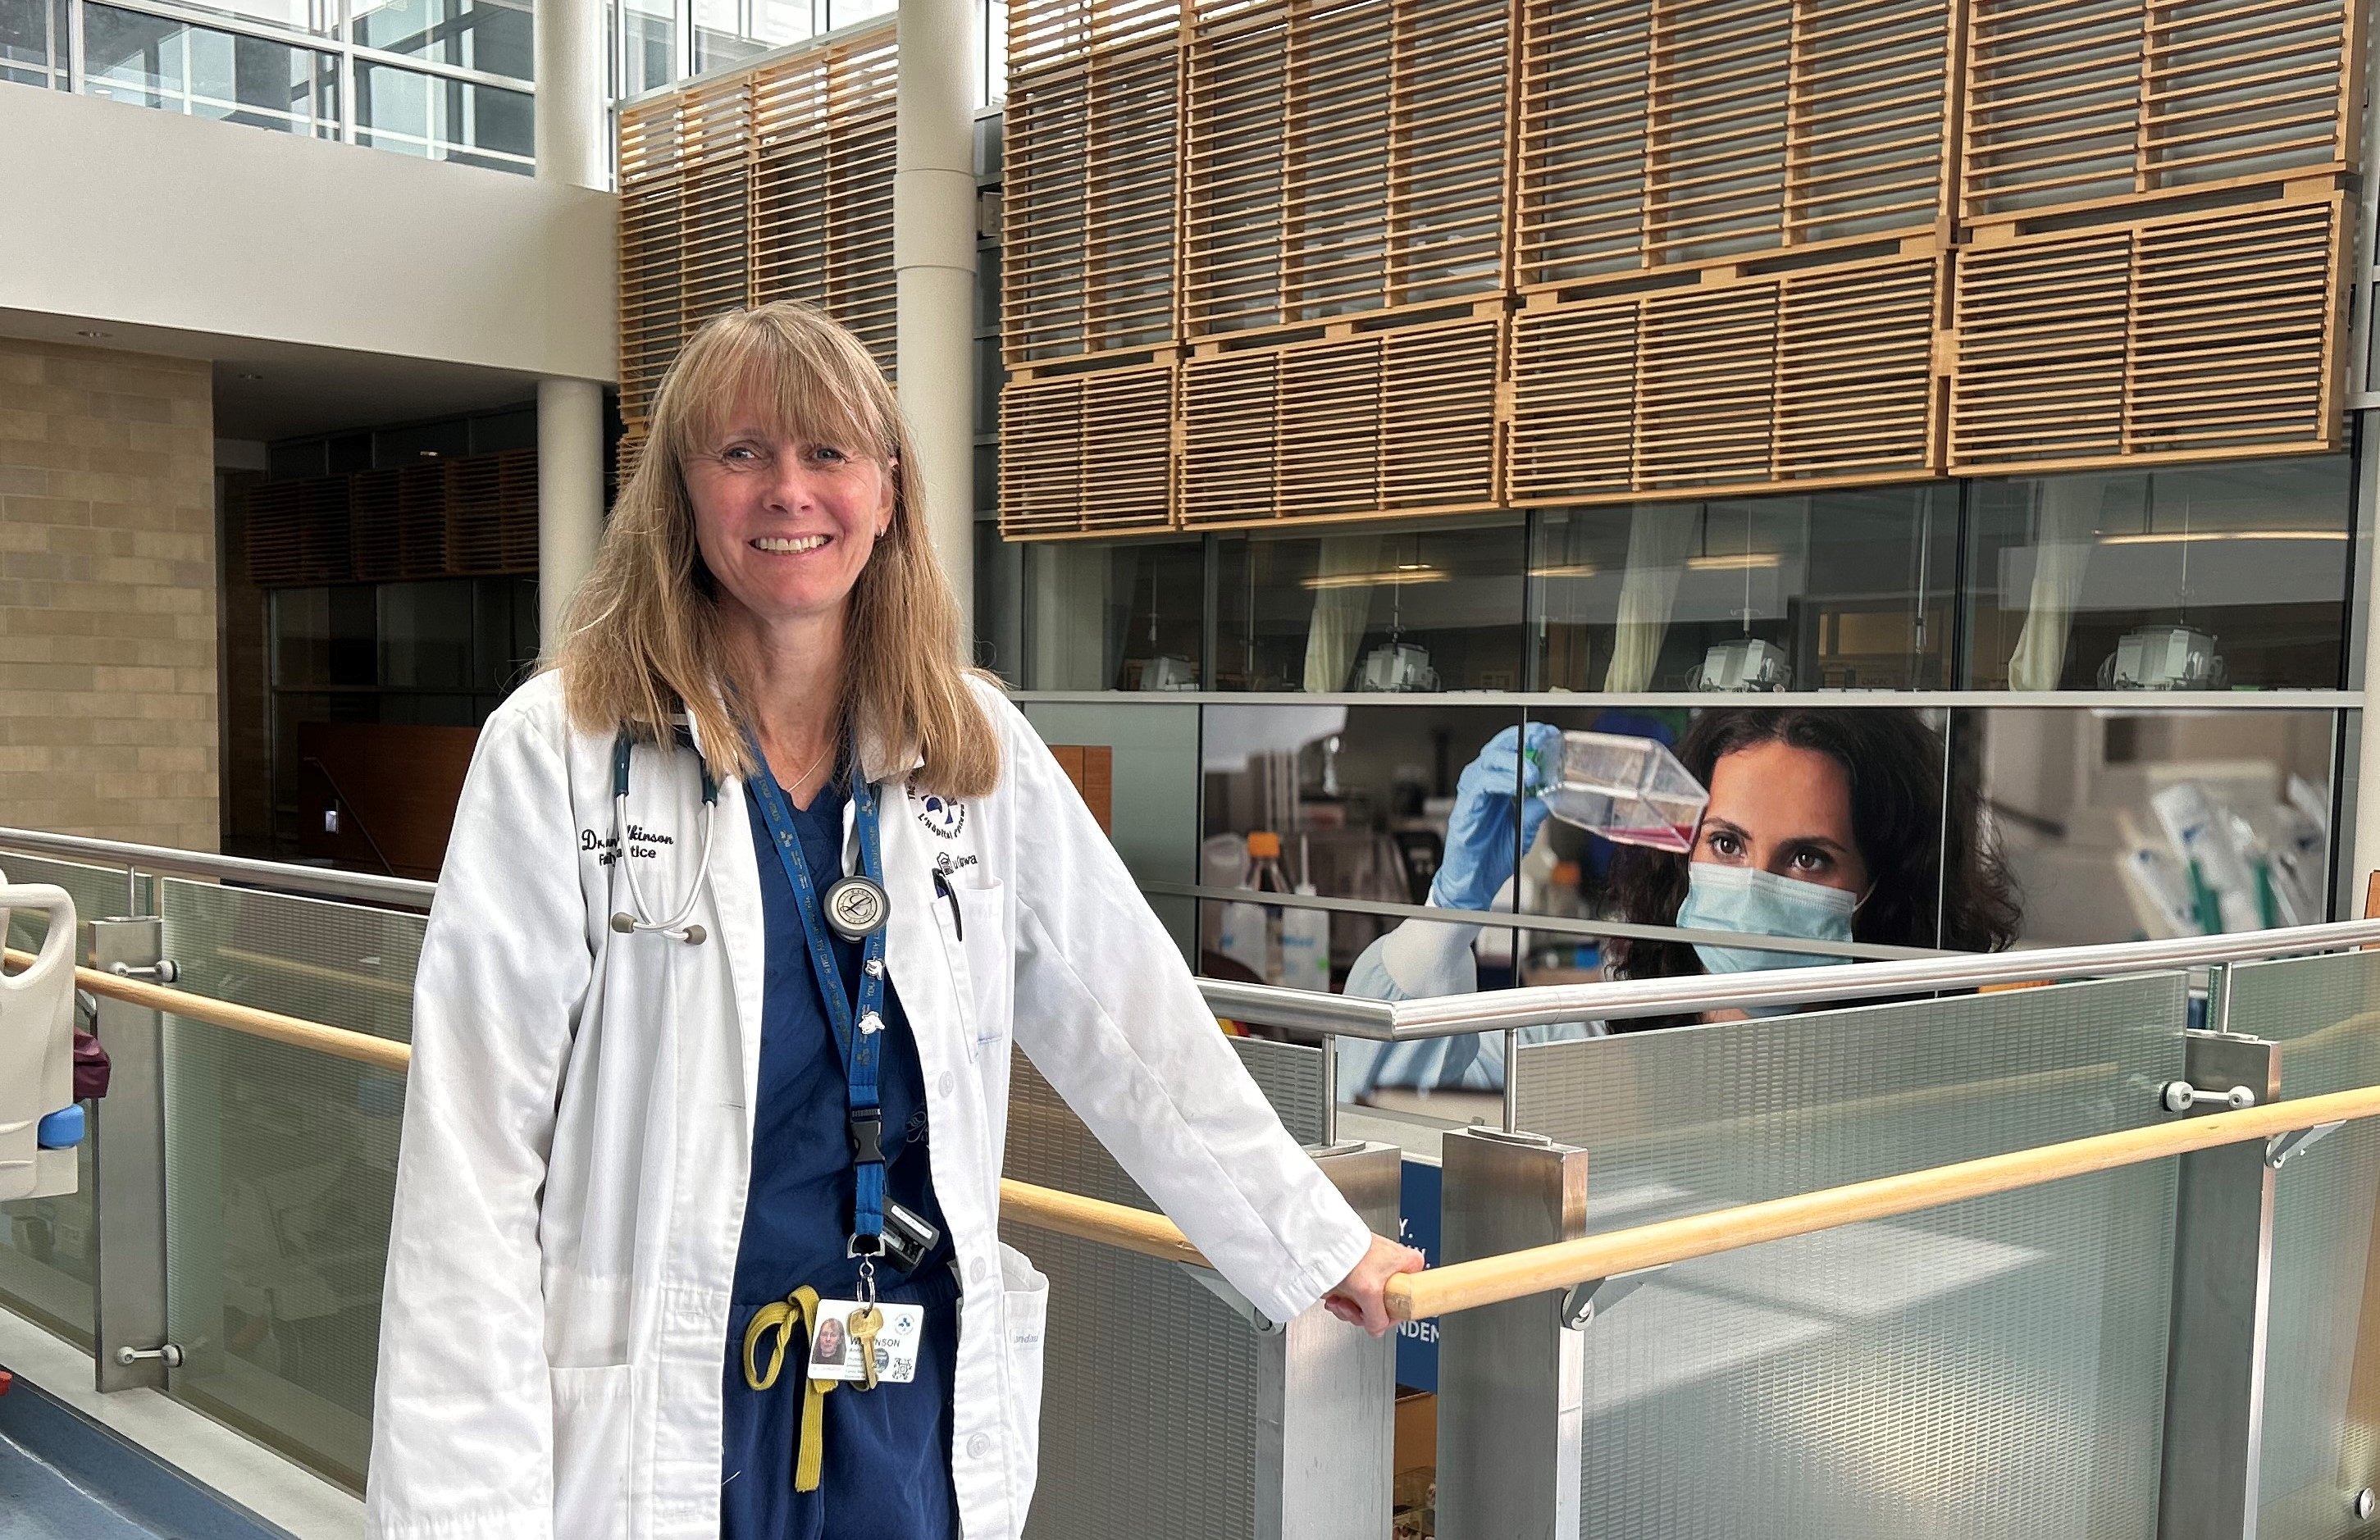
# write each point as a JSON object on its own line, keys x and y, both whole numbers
{"x": 1088, "y": 205}
{"x": 297, "y": 532}
{"x": 1341, "y": 158}
{"x": 2081, "y": 101}
{"x": 1398, "y": 421}
{"x": 1046, "y": 32}
{"x": 823, "y": 128}
{"x": 1087, "y": 454}
{"x": 1822, "y": 375}
{"x": 2198, "y": 336}
{"x": 376, "y": 540}
{"x": 1658, "y": 132}
{"x": 770, "y": 183}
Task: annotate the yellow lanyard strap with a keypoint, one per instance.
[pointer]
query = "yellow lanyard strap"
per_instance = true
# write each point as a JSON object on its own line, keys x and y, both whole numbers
{"x": 799, "y": 1309}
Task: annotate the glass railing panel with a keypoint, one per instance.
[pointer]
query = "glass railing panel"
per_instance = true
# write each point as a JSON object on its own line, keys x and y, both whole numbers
{"x": 2322, "y": 1372}
{"x": 1149, "y": 1387}
{"x": 48, "y": 1246}
{"x": 1995, "y": 1368}
{"x": 281, "y": 1165}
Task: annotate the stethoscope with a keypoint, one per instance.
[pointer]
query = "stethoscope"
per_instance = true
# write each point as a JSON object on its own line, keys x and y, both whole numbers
{"x": 855, "y": 906}
{"x": 636, "y": 919}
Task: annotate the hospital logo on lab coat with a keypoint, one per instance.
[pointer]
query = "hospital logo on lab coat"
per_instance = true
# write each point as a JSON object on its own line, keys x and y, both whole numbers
{"x": 941, "y": 816}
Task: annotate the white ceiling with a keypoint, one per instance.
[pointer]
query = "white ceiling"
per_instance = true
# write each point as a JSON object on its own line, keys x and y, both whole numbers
{"x": 274, "y": 389}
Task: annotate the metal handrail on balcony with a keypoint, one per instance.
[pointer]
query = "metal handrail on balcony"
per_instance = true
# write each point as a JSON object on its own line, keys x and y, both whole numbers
{"x": 1486, "y": 1280}
{"x": 1385, "y": 1021}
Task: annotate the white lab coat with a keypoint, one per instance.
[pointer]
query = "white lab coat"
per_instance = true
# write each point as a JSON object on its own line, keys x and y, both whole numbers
{"x": 579, "y": 1124}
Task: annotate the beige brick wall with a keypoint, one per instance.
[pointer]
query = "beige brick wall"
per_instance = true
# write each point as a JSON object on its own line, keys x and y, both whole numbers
{"x": 108, "y": 595}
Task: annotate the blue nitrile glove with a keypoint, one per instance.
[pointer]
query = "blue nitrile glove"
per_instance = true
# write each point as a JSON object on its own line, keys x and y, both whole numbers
{"x": 1480, "y": 848}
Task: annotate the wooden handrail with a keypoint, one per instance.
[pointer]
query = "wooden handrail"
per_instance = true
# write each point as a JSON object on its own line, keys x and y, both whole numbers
{"x": 1515, "y": 1275}
{"x": 338, "y": 1042}
{"x": 1494, "y": 1280}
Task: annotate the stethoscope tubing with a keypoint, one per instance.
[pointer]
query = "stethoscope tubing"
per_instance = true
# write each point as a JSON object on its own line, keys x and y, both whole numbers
{"x": 637, "y": 918}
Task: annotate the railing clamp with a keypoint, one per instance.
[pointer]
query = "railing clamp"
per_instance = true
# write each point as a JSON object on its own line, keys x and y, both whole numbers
{"x": 169, "y": 1354}
{"x": 2181, "y": 1096}
{"x": 2281, "y": 1147}
{"x": 1584, "y": 1301}
{"x": 163, "y": 971}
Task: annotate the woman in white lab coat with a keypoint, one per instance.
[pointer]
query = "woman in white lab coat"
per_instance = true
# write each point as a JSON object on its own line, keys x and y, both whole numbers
{"x": 675, "y": 1100}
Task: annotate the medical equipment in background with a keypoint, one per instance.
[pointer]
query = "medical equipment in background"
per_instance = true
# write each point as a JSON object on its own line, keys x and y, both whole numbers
{"x": 1627, "y": 790}
{"x": 1251, "y": 935}
{"x": 2164, "y": 658}
{"x": 2217, "y": 868}
{"x": 1745, "y": 664}
{"x": 1399, "y": 666}
{"x": 1162, "y": 670}
{"x": 39, "y": 1122}
{"x": 1305, "y": 944}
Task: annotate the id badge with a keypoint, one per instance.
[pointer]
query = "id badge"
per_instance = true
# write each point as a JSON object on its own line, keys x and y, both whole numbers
{"x": 836, "y": 1352}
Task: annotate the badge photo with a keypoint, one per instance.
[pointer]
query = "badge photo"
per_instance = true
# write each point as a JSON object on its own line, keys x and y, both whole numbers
{"x": 893, "y": 1342}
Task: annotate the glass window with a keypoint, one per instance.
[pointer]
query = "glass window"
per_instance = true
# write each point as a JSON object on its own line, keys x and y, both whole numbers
{"x": 2200, "y": 577}
{"x": 1832, "y": 590}
{"x": 26, "y": 47}
{"x": 1358, "y": 798}
{"x": 447, "y": 120}
{"x": 153, "y": 62}
{"x": 727, "y": 31}
{"x": 1404, "y": 607}
{"x": 426, "y": 635}
{"x": 1116, "y": 618}
{"x": 648, "y": 46}
{"x": 2121, "y": 825}
{"x": 320, "y": 17}
{"x": 475, "y": 34}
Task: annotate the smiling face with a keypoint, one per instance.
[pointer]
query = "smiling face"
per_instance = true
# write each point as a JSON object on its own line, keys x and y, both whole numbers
{"x": 785, "y": 522}
{"x": 1785, "y": 810}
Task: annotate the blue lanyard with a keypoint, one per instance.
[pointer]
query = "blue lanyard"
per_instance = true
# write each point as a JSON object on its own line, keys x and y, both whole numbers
{"x": 862, "y": 1042}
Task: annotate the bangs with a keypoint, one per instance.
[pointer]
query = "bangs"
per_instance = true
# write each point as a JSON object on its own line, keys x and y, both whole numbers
{"x": 809, "y": 382}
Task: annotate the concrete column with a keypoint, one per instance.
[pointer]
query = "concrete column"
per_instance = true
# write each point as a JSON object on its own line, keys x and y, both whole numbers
{"x": 933, "y": 251}
{"x": 572, "y": 82}
{"x": 569, "y": 494}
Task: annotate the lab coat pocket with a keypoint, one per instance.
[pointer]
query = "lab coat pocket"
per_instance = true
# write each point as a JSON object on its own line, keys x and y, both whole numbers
{"x": 594, "y": 1410}
{"x": 1026, "y": 1309}
{"x": 983, "y": 958}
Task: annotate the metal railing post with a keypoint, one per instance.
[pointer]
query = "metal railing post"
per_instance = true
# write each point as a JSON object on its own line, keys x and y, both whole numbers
{"x": 1510, "y": 1378}
{"x": 2222, "y": 1300}
{"x": 128, "y": 1160}
{"x": 1325, "y": 1393}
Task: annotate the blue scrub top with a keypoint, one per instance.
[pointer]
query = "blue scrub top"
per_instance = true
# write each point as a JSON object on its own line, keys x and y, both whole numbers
{"x": 887, "y": 1471}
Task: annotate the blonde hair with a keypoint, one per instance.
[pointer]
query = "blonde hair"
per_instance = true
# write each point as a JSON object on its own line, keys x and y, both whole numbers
{"x": 642, "y": 637}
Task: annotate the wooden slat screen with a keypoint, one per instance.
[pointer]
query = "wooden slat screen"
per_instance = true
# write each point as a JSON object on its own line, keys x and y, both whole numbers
{"x": 770, "y": 183}
{"x": 461, "y": 516}
{"x": 297, "y": 531}
{"x": 376, "y": 540}
{"x": 1823, "y": 376}
{"x": 1397, "y": 421}
{"x": 1087, "y": 454}
{"x": 1750, "y": 243}
{"x": 1655, "y": 132}
{"x": 2195, "y": 336}
{"x": 1087, "y": 212}
{"x": 1341, "y": 157}
{"x": 2075, "y": 102}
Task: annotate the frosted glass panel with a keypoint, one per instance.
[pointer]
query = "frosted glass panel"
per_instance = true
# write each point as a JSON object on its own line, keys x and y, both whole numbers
{"x": 1990, "y": 1371}
{"x": 281, "y": 1165}
{"x": 2321, "y": 1378}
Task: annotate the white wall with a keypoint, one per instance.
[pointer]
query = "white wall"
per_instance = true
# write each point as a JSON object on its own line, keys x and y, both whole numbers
{"x": 123, "y": 213}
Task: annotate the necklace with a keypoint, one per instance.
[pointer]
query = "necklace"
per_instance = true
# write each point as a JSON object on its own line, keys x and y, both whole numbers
{"x": 789, "y": 785}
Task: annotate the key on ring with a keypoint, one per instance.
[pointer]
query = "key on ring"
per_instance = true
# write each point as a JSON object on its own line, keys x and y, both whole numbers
{"x": 866, "y": 1322}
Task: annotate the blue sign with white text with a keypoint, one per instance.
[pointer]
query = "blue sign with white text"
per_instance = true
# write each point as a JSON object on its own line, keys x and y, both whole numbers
{"x": 1418, "y": 1203}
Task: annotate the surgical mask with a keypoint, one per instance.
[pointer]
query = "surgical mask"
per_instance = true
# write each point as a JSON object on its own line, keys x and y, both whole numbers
{"x": 1754, "y": 903}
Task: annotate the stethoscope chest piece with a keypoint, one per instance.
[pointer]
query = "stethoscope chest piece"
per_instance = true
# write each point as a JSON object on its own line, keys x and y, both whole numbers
{"x": 856, "y": 908}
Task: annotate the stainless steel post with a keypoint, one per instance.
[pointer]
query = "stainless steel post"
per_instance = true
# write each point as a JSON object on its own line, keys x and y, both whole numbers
{"x": 1325, "y": 1393}
{"x": 1511, "y": 1379}
{"x": 127, "y": 1163}
{"x": 2222, "y": 1298}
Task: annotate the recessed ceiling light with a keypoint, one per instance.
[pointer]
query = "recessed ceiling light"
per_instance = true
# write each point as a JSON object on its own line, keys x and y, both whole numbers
{"x": 244, "y": 374}
{"x": 94, "y": 334}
